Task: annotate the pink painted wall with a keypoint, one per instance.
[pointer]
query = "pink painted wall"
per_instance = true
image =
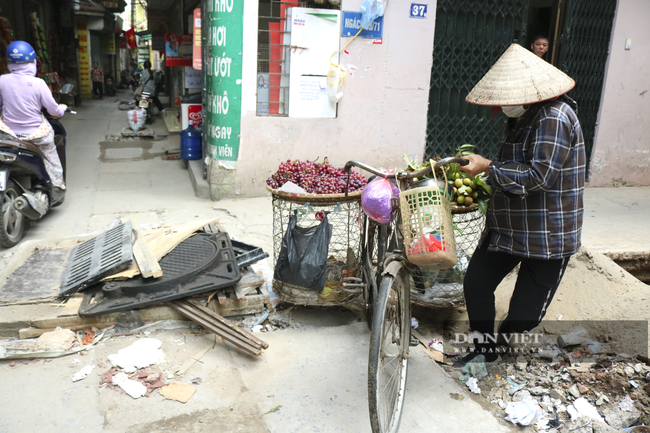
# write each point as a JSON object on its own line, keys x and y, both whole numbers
{"x": 621, "y": 153}
{"x": 381, "y": 117}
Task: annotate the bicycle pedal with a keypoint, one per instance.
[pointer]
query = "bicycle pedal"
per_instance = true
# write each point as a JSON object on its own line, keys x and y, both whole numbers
{"x": 414, "y": 342}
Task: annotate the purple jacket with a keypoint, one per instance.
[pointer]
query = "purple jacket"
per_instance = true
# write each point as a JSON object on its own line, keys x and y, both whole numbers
{"x": 21, "y": 97}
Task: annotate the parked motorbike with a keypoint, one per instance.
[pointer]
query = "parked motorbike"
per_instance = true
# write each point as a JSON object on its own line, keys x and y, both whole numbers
{"x": 109, "y": 87}
{"x": 25, "y": 187}
{"x": 135, "y": 80}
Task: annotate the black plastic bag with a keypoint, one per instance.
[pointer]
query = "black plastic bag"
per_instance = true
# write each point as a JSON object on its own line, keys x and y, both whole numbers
{"x": 303, "y": 256}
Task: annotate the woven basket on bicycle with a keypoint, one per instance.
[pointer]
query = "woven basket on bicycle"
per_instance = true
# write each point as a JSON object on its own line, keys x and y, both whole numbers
{"x": 344, "y": 248}
{"x": 427, "y": 228}
{"x": 444, "y": 288}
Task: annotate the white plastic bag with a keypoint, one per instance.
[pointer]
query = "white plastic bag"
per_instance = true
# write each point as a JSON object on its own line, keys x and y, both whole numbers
{"x": 335, "y": 81}
{"x": 136, "y": 117}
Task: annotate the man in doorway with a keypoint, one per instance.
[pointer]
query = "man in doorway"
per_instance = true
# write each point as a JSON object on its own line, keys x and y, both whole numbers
{"x": 539, "y": 47}
{"x": 534, "y": 218}
{"x": 97, "y": 76}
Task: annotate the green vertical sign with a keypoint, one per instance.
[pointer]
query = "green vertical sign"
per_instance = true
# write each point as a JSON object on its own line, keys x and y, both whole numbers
{"x": 225, "y": 24}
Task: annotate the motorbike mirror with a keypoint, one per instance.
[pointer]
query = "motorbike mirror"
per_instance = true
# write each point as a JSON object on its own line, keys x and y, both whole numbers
{"x": 66, "y": 89}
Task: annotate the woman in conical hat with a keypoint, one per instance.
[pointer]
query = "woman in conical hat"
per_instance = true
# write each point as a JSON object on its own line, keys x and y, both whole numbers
{"x": 534, "y": 218}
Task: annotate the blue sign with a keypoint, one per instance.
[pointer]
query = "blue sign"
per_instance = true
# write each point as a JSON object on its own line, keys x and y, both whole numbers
{"x": 352, "y": 24}
{"x": 418, "y": 10}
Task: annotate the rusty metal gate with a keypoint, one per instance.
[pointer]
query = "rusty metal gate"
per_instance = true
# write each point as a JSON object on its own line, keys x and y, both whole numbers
{"x": 585, "y": 45}
{"x": 470, "y": 36}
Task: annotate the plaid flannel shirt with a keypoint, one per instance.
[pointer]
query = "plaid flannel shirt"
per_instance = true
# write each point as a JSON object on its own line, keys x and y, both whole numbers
{"x": 538, "y": 178}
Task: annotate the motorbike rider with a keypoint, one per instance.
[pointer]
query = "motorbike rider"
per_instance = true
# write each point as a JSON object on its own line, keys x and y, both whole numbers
{"x": 22, "y": 96}
{"x": 149, "y": 81}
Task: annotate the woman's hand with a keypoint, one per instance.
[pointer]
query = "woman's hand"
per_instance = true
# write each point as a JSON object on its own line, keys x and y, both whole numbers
{"x": 65, "y": 107}
{"x": 477, "y": 164}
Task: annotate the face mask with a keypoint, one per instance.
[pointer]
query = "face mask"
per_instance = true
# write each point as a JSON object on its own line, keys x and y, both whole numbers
{"x": 513, "y": 110}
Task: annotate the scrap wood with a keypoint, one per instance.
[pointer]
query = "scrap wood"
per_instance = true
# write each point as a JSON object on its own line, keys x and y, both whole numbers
{"x": 161, "y": 241}
{"x": 147, "y": 263}
{"x": 72, "y": 306}
{"x": 220, "y": 326}
{"x": 249, "y": 282}
{"x": 433, "y": 354}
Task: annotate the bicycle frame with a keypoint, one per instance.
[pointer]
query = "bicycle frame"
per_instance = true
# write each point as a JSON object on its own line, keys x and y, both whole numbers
{"x": 386, "y": 288}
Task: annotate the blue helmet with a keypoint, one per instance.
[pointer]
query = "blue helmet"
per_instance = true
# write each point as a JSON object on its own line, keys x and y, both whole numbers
{"x": 20, "y": 52}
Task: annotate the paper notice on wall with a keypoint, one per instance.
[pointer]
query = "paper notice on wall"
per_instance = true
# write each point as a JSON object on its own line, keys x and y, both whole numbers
{"x": 311, "y": 99}
{"x": 193, "y": 78}
{"x": 312, "y": 88}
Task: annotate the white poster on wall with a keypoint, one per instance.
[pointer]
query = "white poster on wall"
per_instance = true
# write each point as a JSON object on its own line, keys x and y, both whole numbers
{"x": 193, "y": 78}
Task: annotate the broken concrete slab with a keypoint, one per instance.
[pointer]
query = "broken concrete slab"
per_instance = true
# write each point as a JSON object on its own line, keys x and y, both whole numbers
{"x": 57, "y": 340}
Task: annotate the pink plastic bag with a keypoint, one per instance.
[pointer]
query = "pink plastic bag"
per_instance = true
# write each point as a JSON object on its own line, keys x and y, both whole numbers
{"x": 376, "y": 200}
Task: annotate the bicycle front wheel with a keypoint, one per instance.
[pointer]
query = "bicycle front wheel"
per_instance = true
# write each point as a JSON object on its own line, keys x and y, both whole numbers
{"x": 389, "y": 346}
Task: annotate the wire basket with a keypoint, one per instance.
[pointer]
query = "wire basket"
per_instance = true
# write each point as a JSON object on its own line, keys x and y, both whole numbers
{"x": 427, "y": 228}
{"x": 344, "y": 249}
{"x": 444, "y": 288}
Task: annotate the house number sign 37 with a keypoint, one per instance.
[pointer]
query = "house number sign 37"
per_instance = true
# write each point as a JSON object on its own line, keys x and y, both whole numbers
{"x": 418, "y": 10}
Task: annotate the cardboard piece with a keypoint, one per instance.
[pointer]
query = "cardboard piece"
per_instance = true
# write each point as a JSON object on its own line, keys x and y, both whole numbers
{"x": 178, "y": 391}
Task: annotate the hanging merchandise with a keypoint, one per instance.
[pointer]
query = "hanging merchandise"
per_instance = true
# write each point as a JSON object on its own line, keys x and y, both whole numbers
{"x": 40, "y": 42}
{"x": 6, "y": 38}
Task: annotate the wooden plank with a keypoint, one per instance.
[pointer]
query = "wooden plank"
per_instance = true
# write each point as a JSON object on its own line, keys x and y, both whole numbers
{"x": 221, "y": 297}
{"x": 149, "y": 266}
{"x": 72, "y": 306}
{"x": 150, "y": 314}
{"x": 252, "y": 303}
{"x": 249, "y": 282}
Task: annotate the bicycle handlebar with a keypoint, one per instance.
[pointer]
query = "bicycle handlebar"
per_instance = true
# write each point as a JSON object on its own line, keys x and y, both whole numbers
{"x": 400, "y": 174}
{"x": 404, "y": 174}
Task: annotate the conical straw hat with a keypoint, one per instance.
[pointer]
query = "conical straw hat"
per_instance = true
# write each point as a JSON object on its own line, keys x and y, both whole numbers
{"x": 519, "y": 77}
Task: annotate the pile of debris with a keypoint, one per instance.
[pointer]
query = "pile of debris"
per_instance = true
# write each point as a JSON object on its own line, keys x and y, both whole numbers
{"x": 191, "y": 270}
{"x": 562, "y": 388}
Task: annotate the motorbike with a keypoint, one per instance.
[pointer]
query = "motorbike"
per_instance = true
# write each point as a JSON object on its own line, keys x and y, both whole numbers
{"x": 109, "y": 87}
{"x": 25, "y": 187}
{"x": 135, "y": 80}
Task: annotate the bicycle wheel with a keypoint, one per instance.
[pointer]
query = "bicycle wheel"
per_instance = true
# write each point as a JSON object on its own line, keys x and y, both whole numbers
{"x": 389, "y": 346}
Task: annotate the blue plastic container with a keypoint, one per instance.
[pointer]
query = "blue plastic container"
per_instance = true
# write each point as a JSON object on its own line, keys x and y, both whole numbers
{"x": 191, "y": 143}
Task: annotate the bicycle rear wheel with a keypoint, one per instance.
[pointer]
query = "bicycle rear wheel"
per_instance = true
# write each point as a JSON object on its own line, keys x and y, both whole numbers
{"x": 389, "y": 346}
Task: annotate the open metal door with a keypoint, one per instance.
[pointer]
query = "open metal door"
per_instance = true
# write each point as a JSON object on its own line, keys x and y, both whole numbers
{"x": 584, "y": 50}
{"x": 470, "y": 36}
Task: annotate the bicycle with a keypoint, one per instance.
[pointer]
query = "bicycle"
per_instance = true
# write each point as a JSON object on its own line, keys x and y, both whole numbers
{"x": 385, "y": 281}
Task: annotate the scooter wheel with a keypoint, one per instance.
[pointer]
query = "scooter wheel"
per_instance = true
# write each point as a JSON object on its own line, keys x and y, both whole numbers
{"x": 13, "y": 222}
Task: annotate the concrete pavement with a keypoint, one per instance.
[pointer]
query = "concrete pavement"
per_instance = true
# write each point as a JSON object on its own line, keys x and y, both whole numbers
{"x": 315, "y": 373}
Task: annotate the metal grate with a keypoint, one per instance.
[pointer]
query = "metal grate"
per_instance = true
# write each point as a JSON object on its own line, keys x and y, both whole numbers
{"x": 585, "y": 45}
{"x": 470, "y": 36}
{"x": 97, "y": 258}
{"x": 203, "y": 263}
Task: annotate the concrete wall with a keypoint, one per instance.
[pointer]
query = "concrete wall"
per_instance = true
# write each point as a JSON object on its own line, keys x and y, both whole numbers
{"x": 383, "y": 113}
{"x": 621, "y": 152}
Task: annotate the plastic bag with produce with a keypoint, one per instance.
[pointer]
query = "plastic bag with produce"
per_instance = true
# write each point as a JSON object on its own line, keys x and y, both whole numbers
{"x": 376, "y": 200}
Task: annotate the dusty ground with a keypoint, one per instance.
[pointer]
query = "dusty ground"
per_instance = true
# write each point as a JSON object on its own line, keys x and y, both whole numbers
{"x": 597, "y": 294}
